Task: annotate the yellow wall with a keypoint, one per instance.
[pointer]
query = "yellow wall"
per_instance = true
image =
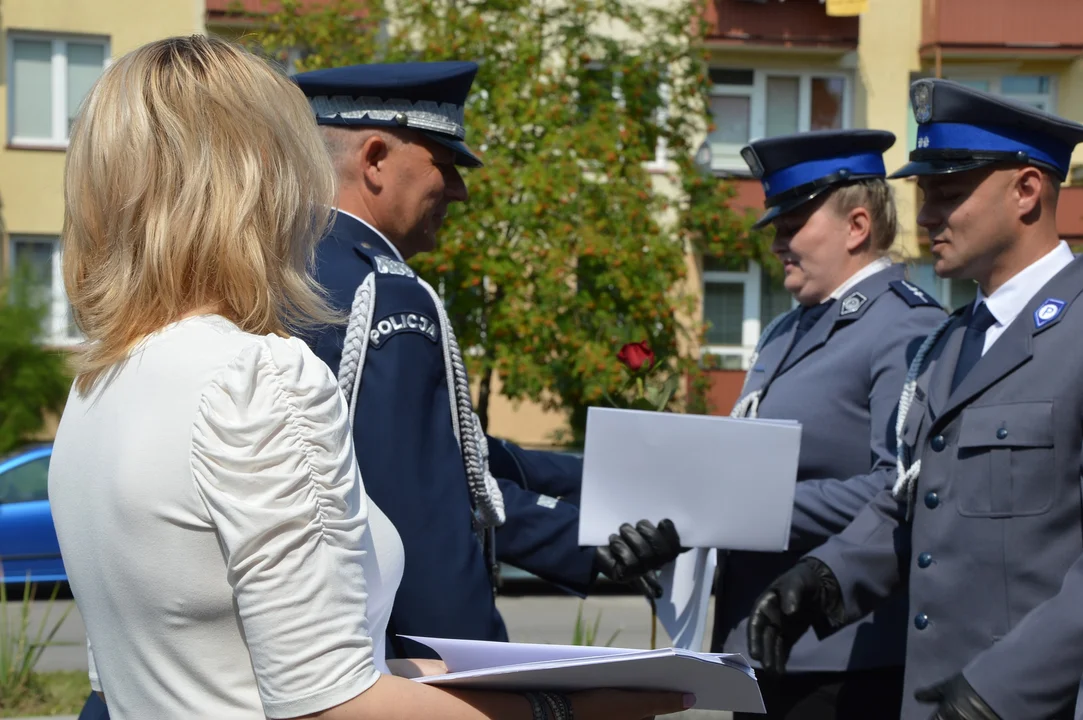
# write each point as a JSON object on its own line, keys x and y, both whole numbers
{"x": 31, "y": 199}
{"x": 887, "y": 53}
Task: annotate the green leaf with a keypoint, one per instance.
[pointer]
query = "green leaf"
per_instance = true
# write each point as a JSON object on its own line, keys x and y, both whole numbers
{"x": 667, "y": 392}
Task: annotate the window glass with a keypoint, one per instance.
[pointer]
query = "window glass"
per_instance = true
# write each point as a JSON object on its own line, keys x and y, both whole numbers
{"x": 85, "y": 63}
{"x": 1024, "y": 85}
{"x": 32, "y": 76}
{"x": 827, "y": 103}
{"x": 783, "y": 97}
{"x": 732, "y": 119}
{"x": 35, "y": 259}
{"x": 26, "y": 482}
{"x": 724, "y": 309}
{"x": 728, "y": 76}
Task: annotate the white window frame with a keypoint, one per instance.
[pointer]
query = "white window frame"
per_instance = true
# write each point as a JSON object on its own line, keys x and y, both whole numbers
{"x": 57, "y": 332}
{"x": 727, "y": 156}
{"x": 59, "y": 83}
{"x": 751, "y": 327}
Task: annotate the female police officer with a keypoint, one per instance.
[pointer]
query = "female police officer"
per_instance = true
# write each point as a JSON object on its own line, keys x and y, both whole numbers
{"x": 836, "y": 364}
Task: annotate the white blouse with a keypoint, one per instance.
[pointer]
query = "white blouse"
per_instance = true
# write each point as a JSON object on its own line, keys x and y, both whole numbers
{"x": 216, "y": 533}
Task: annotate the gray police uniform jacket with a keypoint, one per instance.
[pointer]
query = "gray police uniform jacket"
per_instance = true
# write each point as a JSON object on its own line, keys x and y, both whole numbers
{"x": 842, "y": 382}
{"x": 992, "y": 555}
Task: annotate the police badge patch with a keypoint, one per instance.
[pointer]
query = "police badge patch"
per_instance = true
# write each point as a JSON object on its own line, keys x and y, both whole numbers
{"x": 1048, "y": 312}
{"x": 411, "y": 322}
{"x": 387, "y": 266}
{"x": 852, "y": 304}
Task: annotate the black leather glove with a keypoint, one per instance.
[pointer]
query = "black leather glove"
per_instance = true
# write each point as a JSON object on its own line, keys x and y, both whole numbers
{"x": 956, "y": 700}
{"x": 807, "y": 595}
{"x": 634, "y": 554}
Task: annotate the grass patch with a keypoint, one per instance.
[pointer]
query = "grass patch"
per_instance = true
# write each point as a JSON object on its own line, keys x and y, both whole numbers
{"x": 49, "y": 693}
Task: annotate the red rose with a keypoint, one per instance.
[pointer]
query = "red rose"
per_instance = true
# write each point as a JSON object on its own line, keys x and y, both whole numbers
{"x": 636, "y": 355}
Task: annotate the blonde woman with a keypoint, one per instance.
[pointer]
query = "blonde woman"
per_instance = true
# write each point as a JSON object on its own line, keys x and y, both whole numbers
{"x": 214, "y": 526}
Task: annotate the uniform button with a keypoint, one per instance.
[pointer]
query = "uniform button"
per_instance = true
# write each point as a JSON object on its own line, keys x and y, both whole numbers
{"x": 931, "y": 499}
{"x": 937, "y": 443}
{"x": 921, "y": 621}
{"x": 1002, "y": 433}
{"x": 925, "y": 560}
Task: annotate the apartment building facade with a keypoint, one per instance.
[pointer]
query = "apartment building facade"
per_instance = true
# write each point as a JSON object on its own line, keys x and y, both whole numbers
{"x": 777, "y": 67}
{"x": 53, "y": 51}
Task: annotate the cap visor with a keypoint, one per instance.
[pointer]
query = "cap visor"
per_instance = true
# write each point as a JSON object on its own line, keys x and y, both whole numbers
{"x": 788, "y": 206}
{"x": 463, "y": 156}
{"x": 938, "y": 167}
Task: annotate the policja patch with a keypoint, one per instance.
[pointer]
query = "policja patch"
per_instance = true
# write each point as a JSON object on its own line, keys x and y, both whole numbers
{"x": 410, "y": 322}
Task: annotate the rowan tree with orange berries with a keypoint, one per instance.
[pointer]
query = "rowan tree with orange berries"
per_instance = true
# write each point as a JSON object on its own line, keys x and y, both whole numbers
{"x": 566, "y": 248}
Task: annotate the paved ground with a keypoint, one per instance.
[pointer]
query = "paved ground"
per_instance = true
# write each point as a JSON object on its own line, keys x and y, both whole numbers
{"x": 530, "y": 618}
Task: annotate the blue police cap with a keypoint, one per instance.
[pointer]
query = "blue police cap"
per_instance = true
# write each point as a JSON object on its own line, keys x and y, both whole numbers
{"x": 794, "y": 169}
{"x": 960, "y": 128}
{"x": 428, "y": 97}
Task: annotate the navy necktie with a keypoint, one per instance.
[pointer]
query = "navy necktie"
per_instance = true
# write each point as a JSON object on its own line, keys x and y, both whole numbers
{"x": 973, "y": 343}
{"x": 809, "y": 316}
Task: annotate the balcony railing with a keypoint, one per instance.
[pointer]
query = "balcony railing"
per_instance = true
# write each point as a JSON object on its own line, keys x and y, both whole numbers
{"x": 1043, "y": 27}
{"x": 793, "y": 23}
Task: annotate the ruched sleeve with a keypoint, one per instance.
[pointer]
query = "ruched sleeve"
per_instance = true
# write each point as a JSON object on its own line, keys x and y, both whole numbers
{"x": 273, "y": 461}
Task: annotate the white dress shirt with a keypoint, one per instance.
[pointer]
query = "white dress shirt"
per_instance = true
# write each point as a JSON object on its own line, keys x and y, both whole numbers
{"x": 1010, "y": 298}
{"x": 370, "y": 226}
{"x": 868, "y": 271}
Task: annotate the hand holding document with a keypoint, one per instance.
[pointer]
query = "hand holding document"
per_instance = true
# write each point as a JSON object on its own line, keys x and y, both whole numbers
{"x": 719, "y": 682}
{"x": 726, "y": 483}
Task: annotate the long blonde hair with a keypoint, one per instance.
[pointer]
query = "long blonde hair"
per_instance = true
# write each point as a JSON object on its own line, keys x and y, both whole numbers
{"x": 195, "y": 178}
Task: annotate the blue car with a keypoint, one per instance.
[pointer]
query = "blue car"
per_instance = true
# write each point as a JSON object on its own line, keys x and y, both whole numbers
{"x": 28, "y": 541}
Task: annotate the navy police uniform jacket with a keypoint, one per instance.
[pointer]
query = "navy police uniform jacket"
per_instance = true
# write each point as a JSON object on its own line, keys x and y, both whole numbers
{"x": 842, "y": 381}
{"x": 992, "y": 555}
{"x": 412, "y": 465}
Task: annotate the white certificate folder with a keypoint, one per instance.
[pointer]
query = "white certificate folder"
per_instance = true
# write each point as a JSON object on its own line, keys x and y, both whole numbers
{"x": 725, "y": 482}
{"x": 719, "y": 681}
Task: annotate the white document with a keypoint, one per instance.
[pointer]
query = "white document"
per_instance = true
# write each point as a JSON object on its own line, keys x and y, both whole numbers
{"x": 720, "y": 682}
{"x": 686, "y": 594}
{"x": 725, "y": 482}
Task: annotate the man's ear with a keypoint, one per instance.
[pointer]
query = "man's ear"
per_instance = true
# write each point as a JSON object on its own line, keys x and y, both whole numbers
{"x": 372, "y": 157}
{"x": 1028, "y": 186}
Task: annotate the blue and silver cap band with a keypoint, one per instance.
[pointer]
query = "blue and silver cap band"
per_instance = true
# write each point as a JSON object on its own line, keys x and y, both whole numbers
{"x": 445, "y": 118}
{"x": 806, "y": 173}
{"x": 962, "y": 138}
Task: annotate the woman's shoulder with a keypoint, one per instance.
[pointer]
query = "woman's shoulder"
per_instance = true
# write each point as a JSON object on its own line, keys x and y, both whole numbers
{"x": 233, "y": 370}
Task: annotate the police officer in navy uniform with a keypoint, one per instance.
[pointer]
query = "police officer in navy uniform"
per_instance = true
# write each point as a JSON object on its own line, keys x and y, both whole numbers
{"x": 984, "y": 524}
{"x": 396, "y": 136}
{"x": 836, "y": 364}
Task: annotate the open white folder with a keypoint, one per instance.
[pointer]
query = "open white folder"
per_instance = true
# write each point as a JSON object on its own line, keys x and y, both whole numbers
{"x": 720, "y": 682}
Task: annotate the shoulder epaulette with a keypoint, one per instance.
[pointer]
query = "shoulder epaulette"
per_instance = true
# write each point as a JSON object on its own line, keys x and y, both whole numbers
{"x": 389, "y": 266}
{"x": 912, "y": 294}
